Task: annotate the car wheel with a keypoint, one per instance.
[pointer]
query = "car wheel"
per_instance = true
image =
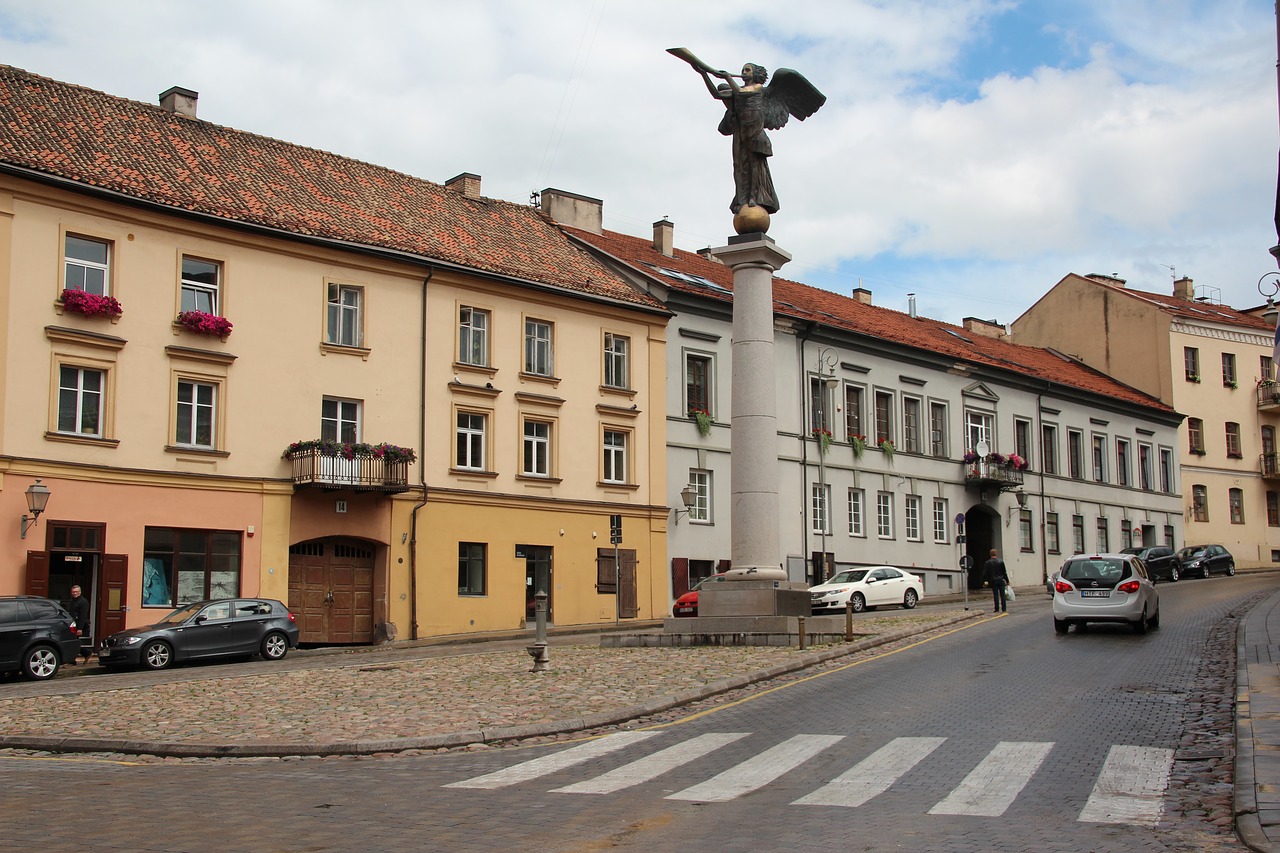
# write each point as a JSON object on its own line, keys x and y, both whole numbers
{"x": 859, "y": 603}
{"x": 1154, "y": 621}
{"x": 1140, "y": 627}
{"x": 40, "y": 663}
{"x": 275, "y": 646}
{"x": 1231, "y": 569}
{"x": 1173, "y": 574}
{"x": 909, "y": 600}
{"x": 156, "y": 655}
{"x": 1061, "y": 626}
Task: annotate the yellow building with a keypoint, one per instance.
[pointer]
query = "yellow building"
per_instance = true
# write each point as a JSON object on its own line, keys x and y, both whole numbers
{"x": 245, "y": 367}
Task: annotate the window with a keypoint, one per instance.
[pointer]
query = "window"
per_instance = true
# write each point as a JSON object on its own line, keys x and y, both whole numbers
{"x": 1051, "y": 533}
{"x": 472, "y": 568}
{"x": 1145, "y": 480}
{"x": 1049, "y": 448}
{"x": 537, "y": 449}
{"x": 1077, "y": 534}
{"x": 1199, "y": 503}
{"x": 1104, "y": 540}
{"x": 1022, "y": 438}
{"x": 822, "y": 409}
{"x": 911, "y": 424}
{"x": 701, "y": 482}
{"x": 1122, "y": 461}
{"x": 1268, "y": 436}
{"x": 1166, "y": 470}
{"x": 884, "y": 416}
{"x": 979, "y": 427}
{"x": 1075, "y": 454}
{"x": 343, "y": 315}
{"x": 911, "y": 518}
{"x": 80, "y": 393}
{"x": 697, "y": 383}
{"x": 856, "y": 500}
{"x": 339, "y": 420}
{"x": 884, "y": 515}
{"x": 472, "y": 429}
{"x": 184, "y": 566}
{"x": 1025, "y": 542}
{"x": 1168, "y": 535}
{"x": 852, "y": 411}
{"x": 1099, "y": 458}
{"x": 1229, "y": 370}
{"x": 1126, "y": 533}
{"x": 87, "y": 265}
{"x": 615, "y": 361}
{"x": 1235, "y": 502}
{"x": 1273, "y": 509}
{"x": 615, "y": 456}
{"x": 1191, "y": 363}
{"x": 821, "y": 496}
{"x": 200, "y": 285}
{"x": 1233, "y": 441}
{"x": 196, "y": 414}
{"x": 1195, "y": 436}
{"x": 537, "y": 348}
{"x": 940, "y": 520}
{"x": 938, "y": 430}
{"x": 1265, "y": 367}
{"x": 473, "y": 336}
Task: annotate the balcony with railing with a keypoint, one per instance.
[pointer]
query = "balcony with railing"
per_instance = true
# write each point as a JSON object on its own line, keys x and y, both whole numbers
{"x": 333, "y": 466}
{"x": 1269, "y": 466}
{"x": 993, "y": 471}
{"x": 1268, "y": 396}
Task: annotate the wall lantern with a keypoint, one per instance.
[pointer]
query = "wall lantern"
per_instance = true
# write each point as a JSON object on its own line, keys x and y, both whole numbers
{"x": 37, "y": 499}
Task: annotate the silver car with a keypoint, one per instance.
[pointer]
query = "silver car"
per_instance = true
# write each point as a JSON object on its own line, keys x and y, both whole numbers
{"x": 1105, "y": 588}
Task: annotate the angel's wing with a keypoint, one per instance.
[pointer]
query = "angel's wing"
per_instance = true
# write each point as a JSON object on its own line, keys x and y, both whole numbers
{"x": 789, "y": 93}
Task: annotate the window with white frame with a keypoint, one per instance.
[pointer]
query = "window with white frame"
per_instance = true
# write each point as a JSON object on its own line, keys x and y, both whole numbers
{"x": 1235, "y": 502}
{"x": 884, "y": 515}
{"x": 1233, "y": 441}
{"x": 821, "y": 497}
{"x": 87, "y": 265}
{"x": 197, "y": 414}
{"x": 700, "y": 479}
{"x": 1104, "y": 538}
{"x": 1229, "y": 370}
{"x": 853, "y": 412}
{"x": 1122, "y": 461}
{"x": 473, "y": 336}
{"x": 81, "y": 391}
{"x": 938, "y": 430}
{"x": 1099, "y": 458}
{"x": 911, "y": 424}
{"x": 615, "y": 456}
{"x": 472, "y": 429}
{"x": 979, "y": 427}
{"x": 1025, "y": 541}
{"x": 616, "y": 360}
{"x": 1195, "y": 436}
{"x": 538, "y": 348}
{"x": 537, "y": 448}
{"x": 1191, "y": 363}
{"x": 1145, "y": 480}
{"x": 1199, "y": 503}
{"x": 201, "y": 284}
{"x": 857, "y": 500}
{"x": 697, "y": 382}
{"x": 339, "y": 420}
{"x": 911, "y": 507}
{"x": 1051, "y": 533}
{"x": 1077, "y": 534}
{"x": 1166, "y": 470}
{"x": 940, "y": 520}
{"x": 1126, "y": 533}
{"x": 342, "y": 315}
{"x": 884, "y": 416}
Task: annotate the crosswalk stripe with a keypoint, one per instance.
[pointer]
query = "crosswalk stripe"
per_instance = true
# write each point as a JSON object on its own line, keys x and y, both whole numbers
{"x": 547, "y": 764}
{"x": 874, "y": 774}
{"x": 1130, "y": 788}
{"x": 759, "y": 771}
{"x": 992, "y": 786}
{"x": 652, "y": 766}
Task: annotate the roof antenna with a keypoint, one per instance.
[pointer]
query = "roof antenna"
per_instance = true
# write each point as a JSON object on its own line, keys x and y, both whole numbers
{"x": 1173, "y": 273}
{"x": 535, "y": 199}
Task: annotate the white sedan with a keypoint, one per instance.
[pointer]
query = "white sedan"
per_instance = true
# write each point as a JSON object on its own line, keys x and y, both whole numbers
{"x": 867, "y": 587}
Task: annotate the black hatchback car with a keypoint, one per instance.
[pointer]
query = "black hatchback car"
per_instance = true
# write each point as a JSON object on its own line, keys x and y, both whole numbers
{"x": 1205, "y": 560}
{"x": 1162, "y": 564}
{"x": 206, "y": 629}
{"x": 35, "y": 636}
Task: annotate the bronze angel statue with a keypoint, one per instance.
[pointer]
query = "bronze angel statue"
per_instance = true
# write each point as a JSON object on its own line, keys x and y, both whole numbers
{"x": 751, "y": 108}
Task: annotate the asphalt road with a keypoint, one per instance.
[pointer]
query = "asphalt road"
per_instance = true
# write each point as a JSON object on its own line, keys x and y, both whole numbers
{"x": 997, "y": 736}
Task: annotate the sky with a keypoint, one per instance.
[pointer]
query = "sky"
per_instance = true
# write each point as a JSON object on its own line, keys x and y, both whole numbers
{"x": 972, "y": 152}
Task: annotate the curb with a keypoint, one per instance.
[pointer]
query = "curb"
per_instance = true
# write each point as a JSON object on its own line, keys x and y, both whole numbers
{"x": 455, "y": 739}
{"x": 1245, "y": 797}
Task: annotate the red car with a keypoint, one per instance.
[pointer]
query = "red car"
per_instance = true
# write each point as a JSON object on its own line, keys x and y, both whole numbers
{"x": 687, "y": 604}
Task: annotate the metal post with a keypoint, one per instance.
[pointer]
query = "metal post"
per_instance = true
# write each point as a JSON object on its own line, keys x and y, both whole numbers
{"x": 848, "y": 621}
{"x": 539, "y": 651}
{"x": 617, "y": 586}
{"x": 800, "y": 622}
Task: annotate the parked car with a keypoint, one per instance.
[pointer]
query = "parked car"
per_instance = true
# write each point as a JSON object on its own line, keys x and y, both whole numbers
{"x": 1105, "y": 588}
{"x": 687, "y": 604}
{"x": 225, "y": 626}
{"x": 1161, "y": 562}
{"x": 1205, "y": 560}
{"x": 867, "y": 588}
{"x": 36, "y": 636}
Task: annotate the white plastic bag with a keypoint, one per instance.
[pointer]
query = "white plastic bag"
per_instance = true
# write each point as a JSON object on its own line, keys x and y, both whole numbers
{"x": 1008, "y": 593}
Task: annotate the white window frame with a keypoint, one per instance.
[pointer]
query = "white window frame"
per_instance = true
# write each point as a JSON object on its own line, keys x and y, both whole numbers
{"x": 344, "y": 313}
{"x": 1052, "y": 533}
{"x": 941, "y": 528}
{"x": 911, "y": 509}
{"x": 912, "y": 434}
{"x": 1102, "y": 535}
{"x": 471, "y": 435}
{"x": 700, "y": 480}
{"x": 1026, "y": 536}
{"x": 197, "y": 288}
{"x": 189, "y": 412}
{"x": 1098, "y": 449}
{"x": 857, "y": 512}
{"x": 1124, "y": 462}
{"x": 89, "y": 268}
{"x": 1146, "y": 480}
{"x": 535, "y": 456}
{"x": 938, "y": 438}
{"x": 884, "y": 515}
{"x": 473, "y": 336}
{"x": 340, "y": 419}
{"x": 83, "y": 400}
{"x": 979, "y": 427}
{"x": 615, "y": 446}
{"x": 820, "y": 500}
{"x": 1166, "y": 470}
{"x": 617, "y": 361}
{"x": 539, "y": 347}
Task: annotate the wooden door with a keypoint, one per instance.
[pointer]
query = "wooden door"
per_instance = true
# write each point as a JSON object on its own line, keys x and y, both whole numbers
{"x": 37, "y": 574}
{"x": 113, "y": 588}
{"x": 331, "y": 590}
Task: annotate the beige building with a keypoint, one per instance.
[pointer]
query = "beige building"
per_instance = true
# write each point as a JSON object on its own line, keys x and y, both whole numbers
{"x": 1209, "y": 362}
{"x": 242, "y": 367}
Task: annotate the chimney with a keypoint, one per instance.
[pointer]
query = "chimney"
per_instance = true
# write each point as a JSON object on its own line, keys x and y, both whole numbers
{"x": 1184, "y": 288}
{"x": 179, "y": 101}
{"x": 576, "y": 211}
{"x": 467, "y": 184}
{"x": 862, "y": 295}
{"x": 664, "y": 237}
{"x": 911, "y": 304}
{"x": 705, "y": 253}
{"x": 985, "y": 328}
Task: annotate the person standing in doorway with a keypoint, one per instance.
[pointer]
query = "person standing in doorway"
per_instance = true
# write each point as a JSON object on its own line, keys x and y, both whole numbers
{"x": 994, "y": 573}
{"x": 80, "y": 613}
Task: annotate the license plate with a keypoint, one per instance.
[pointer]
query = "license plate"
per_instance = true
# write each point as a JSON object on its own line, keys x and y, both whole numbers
{"x": 684, "y": 609}
{"x": 1095, "y": 593}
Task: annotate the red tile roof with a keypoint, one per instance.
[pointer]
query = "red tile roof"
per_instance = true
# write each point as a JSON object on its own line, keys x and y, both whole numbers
{"x": 150, "y": 154}
{"x": 844, "y": 313}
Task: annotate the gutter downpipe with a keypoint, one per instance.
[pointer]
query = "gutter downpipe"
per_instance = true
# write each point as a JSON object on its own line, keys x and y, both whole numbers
{"x": 804, "y": 452}
{"x": 422, "y": 466}
{"x": 1044, "y": 546}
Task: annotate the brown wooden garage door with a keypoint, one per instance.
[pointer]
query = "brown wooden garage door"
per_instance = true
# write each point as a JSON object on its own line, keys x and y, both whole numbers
{"x": 331, "y": 590}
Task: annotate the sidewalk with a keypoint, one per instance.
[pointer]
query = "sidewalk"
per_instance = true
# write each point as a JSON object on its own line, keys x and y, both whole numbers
{"x": 1257, "y": 771}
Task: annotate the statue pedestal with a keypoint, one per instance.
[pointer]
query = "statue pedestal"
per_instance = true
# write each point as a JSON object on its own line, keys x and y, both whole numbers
{"x": 754, "y": 598}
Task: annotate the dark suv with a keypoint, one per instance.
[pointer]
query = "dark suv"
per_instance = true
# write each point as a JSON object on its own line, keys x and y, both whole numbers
{"x": 1161, "y": 562}
{"x": 35, "y": 636}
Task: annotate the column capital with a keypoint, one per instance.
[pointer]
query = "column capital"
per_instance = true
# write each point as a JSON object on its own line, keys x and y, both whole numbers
{"x": 751, "y": 250}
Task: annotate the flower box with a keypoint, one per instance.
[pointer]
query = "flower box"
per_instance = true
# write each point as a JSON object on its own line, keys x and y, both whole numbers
{"x": 345, "y": 465}
{"x": 204, "y": 324}
{"x": 91, "y": 304}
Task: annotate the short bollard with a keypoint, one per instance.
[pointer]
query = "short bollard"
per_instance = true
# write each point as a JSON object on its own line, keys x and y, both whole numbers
{"x": 800, "y": 623}
{"x": 538, "y": 651}
{"x": 848, "y": 621}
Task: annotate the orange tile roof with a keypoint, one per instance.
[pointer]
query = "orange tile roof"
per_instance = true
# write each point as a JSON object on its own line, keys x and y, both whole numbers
{"x": 147, "y": 153}
{"x": 844, "y": 313}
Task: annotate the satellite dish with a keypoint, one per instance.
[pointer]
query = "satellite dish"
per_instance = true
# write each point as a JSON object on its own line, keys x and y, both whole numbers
{"x": 983, "y": 448}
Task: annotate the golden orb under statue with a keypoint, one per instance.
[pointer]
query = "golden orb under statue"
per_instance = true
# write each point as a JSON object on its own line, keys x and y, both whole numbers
{"x": 751, "y": 218}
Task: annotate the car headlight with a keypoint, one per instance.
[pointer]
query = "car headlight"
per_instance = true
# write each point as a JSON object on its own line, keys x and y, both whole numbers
{"x": 131, "y": 641}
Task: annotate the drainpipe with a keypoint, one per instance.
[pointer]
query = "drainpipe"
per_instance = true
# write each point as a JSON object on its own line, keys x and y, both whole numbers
{"x": 422, "y": 466}
{"x": 804, "y": 448}
{"x": 1044, "y": 546}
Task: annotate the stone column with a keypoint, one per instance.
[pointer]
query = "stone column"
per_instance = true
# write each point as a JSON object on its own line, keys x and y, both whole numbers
{"x": 753, "y": 518}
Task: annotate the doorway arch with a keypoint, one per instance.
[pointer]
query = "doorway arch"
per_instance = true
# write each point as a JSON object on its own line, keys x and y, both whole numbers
{"x": 982, "y": 533}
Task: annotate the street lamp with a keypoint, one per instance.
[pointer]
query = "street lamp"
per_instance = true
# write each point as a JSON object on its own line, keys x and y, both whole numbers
{"x": 37, "y": 499}
{"x": 688, "y": 496}
{"x": 826, "y": 365}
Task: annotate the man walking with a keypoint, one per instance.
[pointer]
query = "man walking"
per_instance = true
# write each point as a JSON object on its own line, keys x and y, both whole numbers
{"x": 80, "y": 613}
{"x": 994, "y": 573}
